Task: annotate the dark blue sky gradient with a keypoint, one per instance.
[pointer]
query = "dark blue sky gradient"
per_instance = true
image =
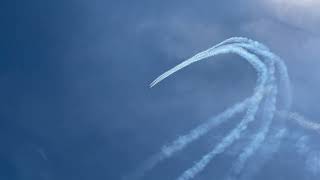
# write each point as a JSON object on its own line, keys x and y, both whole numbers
{"x": 74, "y": 75}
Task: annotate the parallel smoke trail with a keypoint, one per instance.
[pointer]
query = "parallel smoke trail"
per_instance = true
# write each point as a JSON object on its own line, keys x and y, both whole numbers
{"x": 243, "y": 40}
{"x": 205, "y": 54}
{"x": 259, "y": 138}
{"x": 200, "y": 56}
{"x": 261, "y": 49}
{"x": 250, "y": 115}
{"x": 284, "y": 79}
{"x": 226, "y": 142}
{"x": 183, "y": 141}
{"x": 268, "y": 114}
{"x": 266, "y": 89}
{"x": 203, "y": 129}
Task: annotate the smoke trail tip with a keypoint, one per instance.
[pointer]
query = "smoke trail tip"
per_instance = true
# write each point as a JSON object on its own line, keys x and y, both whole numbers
{"x": 152, "y": 84}
{"x": 159, "y": 79}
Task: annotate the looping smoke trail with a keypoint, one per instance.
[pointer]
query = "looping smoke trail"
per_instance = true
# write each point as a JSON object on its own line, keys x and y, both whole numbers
{"x": 260, "y": 136}
{"x": 268, "y": 114}
{"x": 250, "y": 115}
{"x": 180, "y": 143}
{"x": 268, "y": 56}
{"x": 266, "y": 89}
{"x": 261, "y": 49}
{"x": 270, "y": 59}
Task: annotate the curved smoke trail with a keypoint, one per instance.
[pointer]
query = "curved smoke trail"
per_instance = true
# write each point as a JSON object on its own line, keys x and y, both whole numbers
{"x": 183, "y": 141}
{"x": 262, "y": 50}
{"x": 270, "y": 59}
{"x": 304, "y": 122}
{"x": 250, "y": 115}
{"x": 275, "y": 139}
{"x": 267, "y": 117}
{"x": 266, "y": 89}
{"x": 259, "y": 137}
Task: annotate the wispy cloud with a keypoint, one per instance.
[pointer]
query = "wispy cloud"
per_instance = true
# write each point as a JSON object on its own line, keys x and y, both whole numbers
{"x": 301, "y": 13}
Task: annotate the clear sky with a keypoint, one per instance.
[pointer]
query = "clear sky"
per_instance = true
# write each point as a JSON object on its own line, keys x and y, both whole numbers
{"x": 74, "y": 76}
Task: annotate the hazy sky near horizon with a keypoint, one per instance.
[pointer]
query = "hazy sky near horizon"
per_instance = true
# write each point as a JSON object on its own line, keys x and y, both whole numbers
{"x": 75, "y": 101}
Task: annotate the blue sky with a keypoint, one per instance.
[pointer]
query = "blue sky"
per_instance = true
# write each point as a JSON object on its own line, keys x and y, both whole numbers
{"x": 75, "y": 101}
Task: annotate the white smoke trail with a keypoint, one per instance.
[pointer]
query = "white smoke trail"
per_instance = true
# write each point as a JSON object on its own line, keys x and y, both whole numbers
{"x": 269, "y": 57}
{"x": 204, "y": 128}
{"x": 284, "y": 79}
{"x": 255, "y": 144}
{"x": 300, "y": 120}
{"x": 198, "y": 57}
{"x": 261, "y": 49}
{"x": 274, "y": 142}
{"x": 264, "y": 154}
{"x": 202, "y": 55}
{"x": 243, "y": 40}
{"x": 232, "y": 45}
{"x": 260, "y": 136}
{"x": 235, "y": 133}
{"x": 183, "y": 141}
{"x": 304, "y": 122}
{"x": 268, "y": 114}
{"x": 226, "y": 142}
